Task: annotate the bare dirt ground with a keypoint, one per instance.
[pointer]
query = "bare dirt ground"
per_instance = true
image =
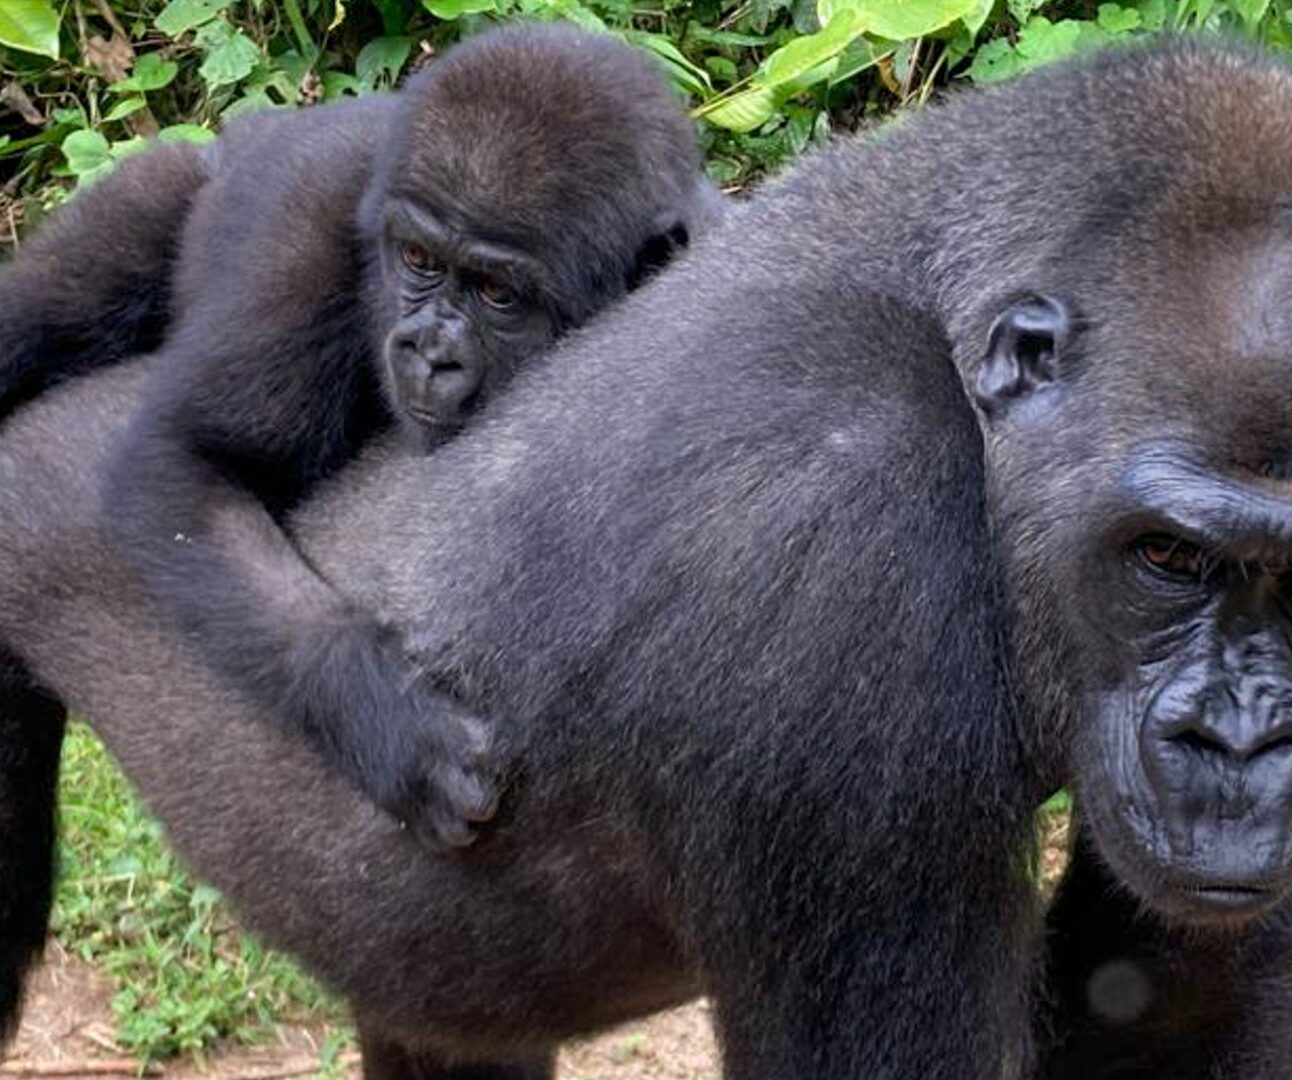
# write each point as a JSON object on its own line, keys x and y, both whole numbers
{"x": 68, "y": 1024}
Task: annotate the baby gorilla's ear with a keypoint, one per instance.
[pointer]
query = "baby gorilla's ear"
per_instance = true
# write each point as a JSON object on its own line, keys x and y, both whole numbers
{"x": 669, "y": 235}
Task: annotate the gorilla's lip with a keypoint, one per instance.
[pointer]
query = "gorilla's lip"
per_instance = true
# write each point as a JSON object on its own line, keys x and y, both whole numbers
{"x": 1232, "y": 898}
{"x": 1231, "y": 895}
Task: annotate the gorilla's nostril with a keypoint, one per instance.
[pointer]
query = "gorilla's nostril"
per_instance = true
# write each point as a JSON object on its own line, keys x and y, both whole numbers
{"x": 446, "y": 367}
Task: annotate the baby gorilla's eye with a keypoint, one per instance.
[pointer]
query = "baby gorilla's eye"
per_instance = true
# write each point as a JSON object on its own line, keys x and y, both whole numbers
{"x": 497, "y": 295}
{"x": 419, "y": 260}
{"x": 1173, "y": 557}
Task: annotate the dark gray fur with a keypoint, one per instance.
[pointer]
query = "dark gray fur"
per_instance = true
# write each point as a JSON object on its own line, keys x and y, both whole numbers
{"x": 728, "y": 565}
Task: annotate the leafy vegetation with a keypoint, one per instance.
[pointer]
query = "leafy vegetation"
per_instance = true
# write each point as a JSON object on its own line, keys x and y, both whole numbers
{"x": 86, "y": 82}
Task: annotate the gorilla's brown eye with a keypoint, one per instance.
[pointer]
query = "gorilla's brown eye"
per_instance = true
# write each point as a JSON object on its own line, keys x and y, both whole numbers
{"x": 497, "y": 295}
{"x": 419, "y": 260}
{"x": 1172, "y": 556}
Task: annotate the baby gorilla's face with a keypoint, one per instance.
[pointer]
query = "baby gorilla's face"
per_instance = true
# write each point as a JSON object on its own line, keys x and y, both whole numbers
{"x": 465, "y": 313}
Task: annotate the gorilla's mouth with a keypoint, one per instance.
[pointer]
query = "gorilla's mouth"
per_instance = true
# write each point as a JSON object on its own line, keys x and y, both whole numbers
{"x": 1229, "y": 899}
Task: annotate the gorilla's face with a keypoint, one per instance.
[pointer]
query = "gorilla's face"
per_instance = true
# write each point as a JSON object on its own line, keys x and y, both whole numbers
{"x": 1142, "y": 479}
{"x": 462, "y": 312}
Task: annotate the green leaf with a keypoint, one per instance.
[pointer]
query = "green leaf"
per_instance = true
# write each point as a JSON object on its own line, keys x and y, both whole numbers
{"x": 127, "y": 147}
{"x": 902, "y": 20}
{"x": 180, "y": 16}
{"x": 89, "y": 156}
{"x": 186, "y": 133}
{"x": 729, "y": 39}
{"x": 337, "y": 84}
{"x": 123, "y": 108}
{"x": 1153, "y": 13}
{"x": 791, "y": 62}
{"x": 1058, "y": 803}
{"x": 976, "y": 19}
{"x": 551, "y": 10}
{"x": 1251, "y": 12}
{"x": 381, "y": 60}
{"x": 455, "y": 9}
{"x": 230, "y": 55}
{"x": 679, "y": 68}
{"x": 150, "y": 73}
{"x": 1119, "y": 20}
{"x": 994, "y": 62}
{"x": 1043, "y": 42}
{"x": 745, "y": 111}
{"x": 1022, "y": 10}
{"x": 856, "y": 58}
{"x": 30, "y": 26}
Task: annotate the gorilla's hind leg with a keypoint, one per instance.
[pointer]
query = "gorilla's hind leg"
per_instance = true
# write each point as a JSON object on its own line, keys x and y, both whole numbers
{"x": 31, "y": 735}
{"x": 385, "y": 1060}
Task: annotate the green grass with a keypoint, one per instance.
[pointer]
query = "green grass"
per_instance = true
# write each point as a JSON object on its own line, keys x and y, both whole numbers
{"x": 185, "y": 976}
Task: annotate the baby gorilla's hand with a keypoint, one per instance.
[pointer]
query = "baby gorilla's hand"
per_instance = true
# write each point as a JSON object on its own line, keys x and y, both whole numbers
{"x": 444, "y": 783}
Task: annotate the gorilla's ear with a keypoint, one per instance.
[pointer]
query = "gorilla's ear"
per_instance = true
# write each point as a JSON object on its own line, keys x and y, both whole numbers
{"x": 669, "y": 236}
{"x": 1023, "y": 350}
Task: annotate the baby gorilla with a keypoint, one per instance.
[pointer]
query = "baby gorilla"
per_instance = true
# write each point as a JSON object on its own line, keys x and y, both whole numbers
{"x": 340, "y": 270}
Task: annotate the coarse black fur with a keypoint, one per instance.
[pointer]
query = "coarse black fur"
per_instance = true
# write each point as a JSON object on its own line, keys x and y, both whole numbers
{"x": 93, "y": 285}
{"x": 31, "y": 735}
{"x": 342, "y": 269}
{"x": 1129, "y": 995}
{"x": 730, "y": 567}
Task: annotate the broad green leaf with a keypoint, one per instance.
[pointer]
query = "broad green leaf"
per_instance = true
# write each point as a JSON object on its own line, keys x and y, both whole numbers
{"x": 551, "y": 10}
{"x": 792, "y": 61}
{"x": 902, "y": 20}
{"x": 72, "y": 114}
{"x": 1022, "y": 10}
{"x": 1250, "y": 11}
{"x": 744, "y": 111}
{"x": 186, "y": 133}
{"x": 692, "y": 79}
{"x": 1043, "y": 42}
{"x": 150, "y": 73}
{"x": 124, "y": 108}
{"x": 728, "y": 39}
{"x": 128, "y": 147}
{"x": 30, "y": 26}
{"x": 976, "y": 19}
{"x": 819, "y": 74}
{"x": 89, "y": 156}
{"x": 455, "y": 9}
{"x": 722, "y": 69}
{"x": 1119, "y": 20}
{"x": 994, "y": 62}
{"x": 256, "y": 99}
{"x": 856, "y": 58}
{"x": 381, "y": 60}
{"x": 337, "y": 84}
{"x": 1058, "y": 803}
{"x": 180, "y": 16}
{"x": 1153, "y": 13}
{"x": 230, "y": 55}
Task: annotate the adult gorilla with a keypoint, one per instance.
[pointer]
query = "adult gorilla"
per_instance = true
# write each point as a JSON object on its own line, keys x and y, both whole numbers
{"x": 725, "y": 566}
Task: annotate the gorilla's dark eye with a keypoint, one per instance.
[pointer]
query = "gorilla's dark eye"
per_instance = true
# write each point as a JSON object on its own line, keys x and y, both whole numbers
{"x": 1173, "y": 557}
{"x": 497, "y": 295}
{"x": 419, "y": 260}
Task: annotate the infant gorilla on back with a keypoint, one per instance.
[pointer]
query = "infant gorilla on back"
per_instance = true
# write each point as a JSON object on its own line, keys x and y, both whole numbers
{"x": 340, "y": 270}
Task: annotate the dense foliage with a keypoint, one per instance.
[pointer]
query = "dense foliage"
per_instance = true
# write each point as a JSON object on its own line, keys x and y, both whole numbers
{"x": 84, "y": 82}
